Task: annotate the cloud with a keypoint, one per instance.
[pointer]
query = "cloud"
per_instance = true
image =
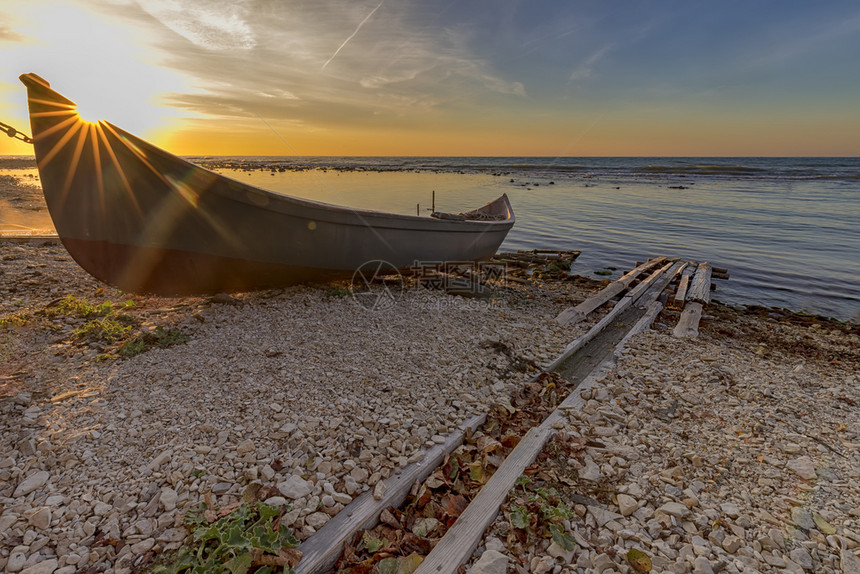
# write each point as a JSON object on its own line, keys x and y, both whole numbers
{"x": 321, "y": 64}
{"x": 7, "y": 34}
{"x": 586, "y": 68}
{"x": 208, "y": 24}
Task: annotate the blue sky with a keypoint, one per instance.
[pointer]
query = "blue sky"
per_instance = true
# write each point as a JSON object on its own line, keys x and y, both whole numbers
{"x": 450, "y": 78}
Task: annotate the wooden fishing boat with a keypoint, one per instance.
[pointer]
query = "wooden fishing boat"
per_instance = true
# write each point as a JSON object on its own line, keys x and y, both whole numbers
{"x": 141, "y": 219}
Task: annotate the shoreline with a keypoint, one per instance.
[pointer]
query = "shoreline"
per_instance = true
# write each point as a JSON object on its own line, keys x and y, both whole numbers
{"x": 126, "y": 445}
{"x": 812, "y": 272}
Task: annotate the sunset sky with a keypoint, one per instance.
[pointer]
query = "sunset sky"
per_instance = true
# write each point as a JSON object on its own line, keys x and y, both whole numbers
{"x": 452, "y": 77}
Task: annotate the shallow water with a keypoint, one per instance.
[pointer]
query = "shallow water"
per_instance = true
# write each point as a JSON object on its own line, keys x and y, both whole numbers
{"x": 788, "y": 230}
{"x": 789, "y": 234}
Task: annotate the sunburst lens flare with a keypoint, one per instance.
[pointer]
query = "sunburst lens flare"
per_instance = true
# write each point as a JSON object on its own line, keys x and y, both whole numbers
{"x": 88, "y": 115}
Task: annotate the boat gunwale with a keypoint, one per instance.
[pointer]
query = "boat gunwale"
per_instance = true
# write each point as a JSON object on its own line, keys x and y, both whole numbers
{"x": 476, "y": 225}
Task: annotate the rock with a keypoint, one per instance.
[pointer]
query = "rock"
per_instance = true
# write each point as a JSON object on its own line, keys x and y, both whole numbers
{"x": 848, "y": 560}
{"x": 731, "y": 543}
{"x": 591, "y": 471}
{"x": 602, "y": 516}
{"x": 730, "y": 510}
{"x": 295, "y": 487}
{"x": 557, "y": 551}
{"x": 276, "y": 501}
{"x": 221, "y": 487}
{"x": 359, "y": 475}
{"x": 158, "y": 461}
{"x": 46, "y": 567}
{"x": 802, "y": 557}
{"x": 267, "y": 472}
{"x": 168, "y": 499}
{"x": 379, "y": 490}
{"x": 803, "y": 466}
{"x": 627, "y": 505}
{"x": 317, "y": 519}
{"x": 31, "y": 483}
{"x": 603, "y": 562}
{"x": 542, "y": 565}
{"x": 102, "y": 508}
{"x": 17, "y": 559}
{"x": 172, "y": 535}
{"x": 675, "y": 509}
{"x": 700, "y": 546}
{"x": 495, "y": 543}
{"x": 490, "y": 562}
{"x": 342, "y": 498}
{"x": 41, "y": 519}
{"x": 583, "y": 561}
{"x": 245, "y": 447}
{"x": 143, "y": 546}
{"x": 702, "y": 565}
{"x": 802, "y": 517}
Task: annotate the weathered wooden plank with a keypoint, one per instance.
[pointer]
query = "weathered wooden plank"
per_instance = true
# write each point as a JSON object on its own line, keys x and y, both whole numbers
{"x": 463, "y": 537}
{"x": 679, "y": 300}
{"x": 573, "y": 315}
{"x": 321, "y": 551}
{"x": 619, "y": 308}
{"x": 688, "y": 324}
{"x": 700, "y": 286}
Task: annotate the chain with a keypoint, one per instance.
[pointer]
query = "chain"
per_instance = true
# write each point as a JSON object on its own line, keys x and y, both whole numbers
{"x": 13, "y": 133}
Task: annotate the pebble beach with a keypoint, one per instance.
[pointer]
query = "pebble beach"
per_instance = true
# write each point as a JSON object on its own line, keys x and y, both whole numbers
{"x": 736, "y": 451}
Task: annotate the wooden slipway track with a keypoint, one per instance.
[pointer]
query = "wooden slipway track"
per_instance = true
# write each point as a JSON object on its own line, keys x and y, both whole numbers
{"x": 582, "y": 363}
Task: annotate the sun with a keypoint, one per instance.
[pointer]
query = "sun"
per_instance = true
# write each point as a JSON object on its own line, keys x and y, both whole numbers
{"x": 108, "y": 69}
{"x": 89, "y": 113}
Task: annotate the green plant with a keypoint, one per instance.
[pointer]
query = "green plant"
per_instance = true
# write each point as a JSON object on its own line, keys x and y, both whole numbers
{"x": 338, "y": 291}
{"x": 71, "y": 305}
{"x": 541, "y": 515}
{"x": 251, "y": 537}
{"x": 160, "y": 337}
{"x": 106, "y": 330}
{"x": 15, "y": 320}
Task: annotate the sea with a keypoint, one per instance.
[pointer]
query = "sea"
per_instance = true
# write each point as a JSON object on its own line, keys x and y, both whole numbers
{"x": 787, "y": 229}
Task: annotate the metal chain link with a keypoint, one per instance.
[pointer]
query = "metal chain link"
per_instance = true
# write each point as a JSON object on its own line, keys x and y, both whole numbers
{"x": 13, "y": 133}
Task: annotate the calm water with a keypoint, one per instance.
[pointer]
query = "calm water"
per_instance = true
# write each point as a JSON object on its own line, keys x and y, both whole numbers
{"x": 788, "y": 230}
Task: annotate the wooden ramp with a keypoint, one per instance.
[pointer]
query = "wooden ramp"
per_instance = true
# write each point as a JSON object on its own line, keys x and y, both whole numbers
{"x": 693, "y": 294}
{"x": 643, "y": 291}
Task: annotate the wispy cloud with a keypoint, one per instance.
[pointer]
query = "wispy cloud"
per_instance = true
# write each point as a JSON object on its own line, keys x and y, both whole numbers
{"x": 209, "y": 24}
{"x": 392, "y": 63}
{"x": 7, "y": 34}
{"x": 586, "y": 67}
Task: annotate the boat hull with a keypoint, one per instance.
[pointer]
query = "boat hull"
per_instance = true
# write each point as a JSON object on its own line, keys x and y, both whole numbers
{"x": 144, "y": 220}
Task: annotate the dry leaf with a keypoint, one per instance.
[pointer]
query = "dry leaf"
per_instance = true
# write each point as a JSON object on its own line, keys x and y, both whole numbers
{"x": 640, "y": 561}
{"x": 410, "y": 564}
{"x": 822, "y": 524}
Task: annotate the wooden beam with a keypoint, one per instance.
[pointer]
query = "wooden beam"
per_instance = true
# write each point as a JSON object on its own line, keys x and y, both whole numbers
{"x": 669, "y": 269}
{"x": 573, "y": 315}
{"x": 700, "y": 286}
{"x": 678, "y": 301}
{"x": 688, "y": 324}
{"x": 458, "y": 544}
{"x": 321, "y": 551}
